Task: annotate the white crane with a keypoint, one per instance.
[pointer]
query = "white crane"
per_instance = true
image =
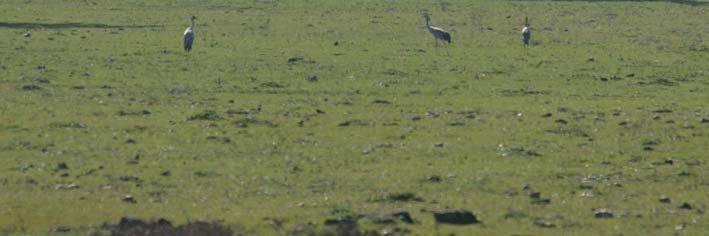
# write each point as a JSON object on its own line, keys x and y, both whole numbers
{"x": 526, "y": 32}
{"x": 437, "y": 33}
{"x": 189, "y": 35}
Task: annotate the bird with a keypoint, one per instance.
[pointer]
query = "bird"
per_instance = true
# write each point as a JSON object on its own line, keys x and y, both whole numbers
{"x": 437, "y": 33}
{"x": 189, "y": 35}
{"x": 526, "y": 32}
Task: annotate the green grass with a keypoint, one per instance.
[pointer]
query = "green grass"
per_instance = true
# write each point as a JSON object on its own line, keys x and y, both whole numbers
{"x": 100, "y": 64}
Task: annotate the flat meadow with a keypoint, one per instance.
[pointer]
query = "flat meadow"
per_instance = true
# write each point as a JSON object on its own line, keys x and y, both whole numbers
{"x": 325, "y": 117}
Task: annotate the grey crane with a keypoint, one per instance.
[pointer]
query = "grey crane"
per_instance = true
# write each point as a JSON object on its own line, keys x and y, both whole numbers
{"x": 437, "y": 33}
{"x": 189, "y": 35}
{"x": 526, "y": 32}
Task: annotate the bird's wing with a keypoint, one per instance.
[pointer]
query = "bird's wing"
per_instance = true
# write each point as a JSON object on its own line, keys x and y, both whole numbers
{"x": 189, "y": 37}
{"x": 447, "y": 37}
{"x": 438, "y": 29}
{"x": 188, "y": 31}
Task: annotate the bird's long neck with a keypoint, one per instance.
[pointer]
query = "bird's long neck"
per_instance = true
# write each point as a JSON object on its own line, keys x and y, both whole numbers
{"x": 192, "y": 24}
{"x": 428, "y": 23}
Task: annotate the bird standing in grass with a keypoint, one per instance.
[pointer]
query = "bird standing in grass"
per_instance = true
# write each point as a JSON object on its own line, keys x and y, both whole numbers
{"x": 438, "y": 33}
{"x": 189, "y": 35}
{"x": 526, "y": 32}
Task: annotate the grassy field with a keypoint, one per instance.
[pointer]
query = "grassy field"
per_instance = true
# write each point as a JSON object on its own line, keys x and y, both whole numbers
{"x": 288, "y": 113}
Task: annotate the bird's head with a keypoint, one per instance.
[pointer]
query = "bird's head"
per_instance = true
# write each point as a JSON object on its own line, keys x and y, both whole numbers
{"x": 427, "y": 16}
{"x": 194, "y": 17}
{"x": 526, "y": 21}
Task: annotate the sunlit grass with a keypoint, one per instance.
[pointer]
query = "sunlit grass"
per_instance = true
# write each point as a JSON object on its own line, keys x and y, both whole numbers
{"x": 115, "y": 97}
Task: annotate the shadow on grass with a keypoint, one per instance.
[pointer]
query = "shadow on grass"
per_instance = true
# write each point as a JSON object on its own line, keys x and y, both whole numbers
{"x": 67, "y": 25}
{"x": 686, "y": 2}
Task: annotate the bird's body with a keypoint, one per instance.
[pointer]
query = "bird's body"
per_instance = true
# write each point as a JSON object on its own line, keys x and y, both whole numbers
{"x": 189, "y": 36}
{"x": 437, "y": 33}
{"x": 526, "y": 32}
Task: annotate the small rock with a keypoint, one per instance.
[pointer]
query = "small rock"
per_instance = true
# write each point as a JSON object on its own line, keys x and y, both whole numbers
{"x": 561, "y": 121}
{"x": 295, "y": 59}
{"x": 544, "y": 224}
{"x": 26, "y": 34}
{"x": 455, "y": 216}
{"x": 340, "y": 220}
{"x": 664, "y": 162}
{"x": 127, "y": 178}
{"x": 548, "y": 114}
{"x": 389, "y": 218}
{"x": 129, "y": 199}
{"x": 535, "y": 195}
{"x": 665, "y": 199}
{"x": 61, "y": 229}
{"x": 31, "y": 87}
{"x": 390, "y": 231}
{"x": 685, "y": 206}
{"x": 380, "y": 101}
{"x": 205, "y": 115}
{"x": 591, "y": 59}
{"x": 272, "y": 84}
{"x": 404, "y": 197}
{"x": 545, "y": 201}
{"x": 313, "y": 78}
{"x": 127, "y": 223}
{"x": 663, "y": 110}
{"x": 165, "y": 173}
{"x": 62, "y": 166}
{"x": 434, "y": 178}
{"x": 438, "y": 145}
{"x": 603, "y": 213}
{"x": 456, "y": 123}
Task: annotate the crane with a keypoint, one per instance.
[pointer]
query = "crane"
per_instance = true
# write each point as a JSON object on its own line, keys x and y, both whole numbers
{"x": 526, "y": 32}
{"x": 189, "y": 35}
{"x": 437, "y": 33}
